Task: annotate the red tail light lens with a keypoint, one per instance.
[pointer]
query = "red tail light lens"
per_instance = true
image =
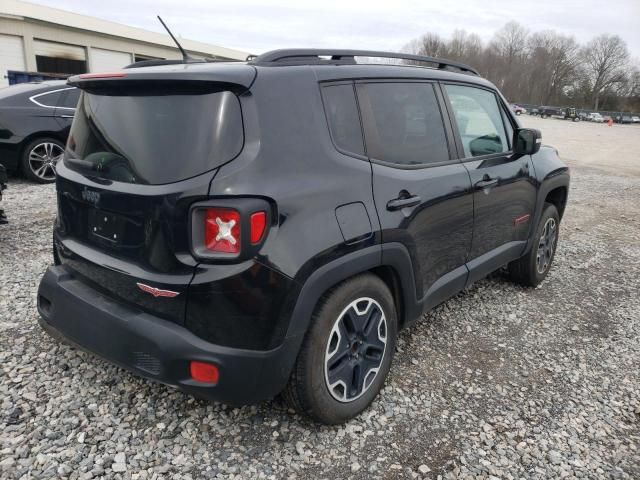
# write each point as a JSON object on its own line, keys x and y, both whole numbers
{"x": 204, "y": 372}
{"x": 222, "y": 230}
{"x": 258, "y": 225}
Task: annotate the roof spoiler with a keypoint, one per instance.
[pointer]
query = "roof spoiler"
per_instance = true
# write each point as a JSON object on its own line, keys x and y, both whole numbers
{"x": 178, "y": 77}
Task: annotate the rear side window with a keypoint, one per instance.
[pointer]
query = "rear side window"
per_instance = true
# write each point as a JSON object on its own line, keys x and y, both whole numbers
{"x": 342, "y": 115}
{"x": 154, "y": 139}
{"x": 403, "y": 123}
{"x": 70, "y": 98}
{"x": 479, "y": 120}
{"x": 48, "y": 99}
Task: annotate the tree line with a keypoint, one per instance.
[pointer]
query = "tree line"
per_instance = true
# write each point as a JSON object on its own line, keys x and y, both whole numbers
{"x": 545, "y": 68}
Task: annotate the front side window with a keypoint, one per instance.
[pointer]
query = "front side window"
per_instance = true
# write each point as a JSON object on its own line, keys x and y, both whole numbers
{"x": 404, "y": 124}
{"x": 342, "y": 115}
{"x": 479, "y": 120}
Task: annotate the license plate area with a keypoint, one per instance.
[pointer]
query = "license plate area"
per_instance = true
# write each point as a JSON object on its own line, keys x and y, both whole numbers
{"x": 105, "y": 226}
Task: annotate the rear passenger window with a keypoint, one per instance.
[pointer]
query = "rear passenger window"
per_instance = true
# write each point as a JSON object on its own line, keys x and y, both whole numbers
{"x": 403, "y": 123}
{"x": 479, "y": 120}
{"x": 70, "y": 98}
{"x": 342, "y": 115}
{"x": 48, "y": 99}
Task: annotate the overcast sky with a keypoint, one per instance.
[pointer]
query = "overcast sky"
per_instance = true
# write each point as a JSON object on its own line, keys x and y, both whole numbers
{"x": 257, "y": 26}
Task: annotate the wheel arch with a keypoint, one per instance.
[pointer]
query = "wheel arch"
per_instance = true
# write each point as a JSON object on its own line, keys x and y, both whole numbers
{"x": 558, "y": 197}
{"x": 390, "y": 262}
{"x": 554, "y": 188}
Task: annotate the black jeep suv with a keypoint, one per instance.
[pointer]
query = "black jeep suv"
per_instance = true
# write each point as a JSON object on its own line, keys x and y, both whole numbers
{"x": 244, "y": 229}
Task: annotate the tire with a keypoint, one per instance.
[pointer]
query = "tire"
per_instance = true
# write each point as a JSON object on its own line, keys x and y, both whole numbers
{"x": 517, "y": 113}
{"x": 316, "y": 387}
{"x": 531, "y": 269}
{"x": 39, "y": 159}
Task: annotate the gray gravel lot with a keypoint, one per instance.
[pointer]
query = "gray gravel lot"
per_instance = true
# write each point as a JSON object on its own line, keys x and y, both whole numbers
{"x": 498, "y": 382}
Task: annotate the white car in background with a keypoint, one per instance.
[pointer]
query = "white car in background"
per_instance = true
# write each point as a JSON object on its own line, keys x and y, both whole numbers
{"x": 595, "y": 117}
{"x": 635, "y": 119}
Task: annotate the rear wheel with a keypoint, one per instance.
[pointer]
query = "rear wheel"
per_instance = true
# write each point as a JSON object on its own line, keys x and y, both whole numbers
{"x": 40, "y": 158}
{"x": 347, "y": 352}
{"x": 531, "y": 269}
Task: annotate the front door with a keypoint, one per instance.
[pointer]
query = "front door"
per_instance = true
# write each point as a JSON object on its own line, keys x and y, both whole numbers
{"x": 503, "y": 183}
{"x": 422, "y": 193}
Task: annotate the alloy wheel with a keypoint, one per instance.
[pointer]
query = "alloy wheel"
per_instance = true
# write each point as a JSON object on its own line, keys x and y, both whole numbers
{"x": 43, "y": 159}
{"x": 355, "y": 349}
{"x": 546, "y": 245}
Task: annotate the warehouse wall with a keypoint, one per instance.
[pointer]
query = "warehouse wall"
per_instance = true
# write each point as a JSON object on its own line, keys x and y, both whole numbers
{"x": 107, "y": 50}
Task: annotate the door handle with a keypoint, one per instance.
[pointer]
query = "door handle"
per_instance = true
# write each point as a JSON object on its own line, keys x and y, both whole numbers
{"x": 403, "y": 202}
{"x": 486, "y": 182}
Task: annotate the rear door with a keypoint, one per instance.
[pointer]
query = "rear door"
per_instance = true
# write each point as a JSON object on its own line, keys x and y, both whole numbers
{"x": 422, "y": 193}
{"x": 504, "y": 188}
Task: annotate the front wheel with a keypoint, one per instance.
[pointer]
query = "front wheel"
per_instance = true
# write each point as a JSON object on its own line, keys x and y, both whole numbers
{"x": 347, "y": 352}
{"x": 531, "y": 269}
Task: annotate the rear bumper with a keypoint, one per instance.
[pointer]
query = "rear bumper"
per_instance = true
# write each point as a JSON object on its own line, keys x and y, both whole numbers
{"x": 155, "y": 348}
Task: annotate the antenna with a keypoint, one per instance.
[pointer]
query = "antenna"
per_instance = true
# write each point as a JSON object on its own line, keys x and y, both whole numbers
{"x": 185, "y": 56}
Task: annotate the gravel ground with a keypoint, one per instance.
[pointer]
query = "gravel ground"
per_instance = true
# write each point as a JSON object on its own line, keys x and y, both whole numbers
{"x": 498, "y": 382}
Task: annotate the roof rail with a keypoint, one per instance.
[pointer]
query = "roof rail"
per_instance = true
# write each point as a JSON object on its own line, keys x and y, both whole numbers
{"x": 311, "y": 56}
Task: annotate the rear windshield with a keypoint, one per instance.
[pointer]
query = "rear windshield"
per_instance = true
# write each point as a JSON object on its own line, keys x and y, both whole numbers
{"x": 154, "y": 139}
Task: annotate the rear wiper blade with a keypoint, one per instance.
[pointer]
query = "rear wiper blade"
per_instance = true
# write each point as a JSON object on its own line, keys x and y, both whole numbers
{"x": 87, "y": 165}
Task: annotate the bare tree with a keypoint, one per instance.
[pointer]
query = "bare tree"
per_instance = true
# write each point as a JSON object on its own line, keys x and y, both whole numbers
{"x": 507, "y": 52}
{"x": 552, "y": 65}
{"x": 544, "y": 68}
{"x": 605, "y": 60}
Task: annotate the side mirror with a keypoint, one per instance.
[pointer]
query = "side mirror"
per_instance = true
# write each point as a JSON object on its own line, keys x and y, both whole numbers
{"x": 526, "y": 141}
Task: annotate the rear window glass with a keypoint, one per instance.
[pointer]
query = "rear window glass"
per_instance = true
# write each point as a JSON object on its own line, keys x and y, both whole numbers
{"x": 154, "y": 139}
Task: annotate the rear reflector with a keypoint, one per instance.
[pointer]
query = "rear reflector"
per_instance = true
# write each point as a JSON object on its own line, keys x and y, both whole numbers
{"x": 204, "y": 372}
{"x": 222, "y": 230}
{"x": 85, "y": 76}
{"x": 258, "y": 224}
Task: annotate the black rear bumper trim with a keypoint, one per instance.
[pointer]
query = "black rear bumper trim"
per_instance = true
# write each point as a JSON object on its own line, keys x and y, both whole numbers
{"x": 156, "y": 348}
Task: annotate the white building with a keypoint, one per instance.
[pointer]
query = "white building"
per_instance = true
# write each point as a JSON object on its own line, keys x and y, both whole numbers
{"x": 40, "y": 40}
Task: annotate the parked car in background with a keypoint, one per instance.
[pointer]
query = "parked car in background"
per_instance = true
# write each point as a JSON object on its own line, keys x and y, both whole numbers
{"x": 569, "y": 113}
{"x": 595, "y": 117}
{"x": 35, "y": 119}
{"x": 606, "y": 118}
{"x": 623, "y": 119}
{"x": 190, "y": 256}
{"x": 546, "y": 111}
{"x": 635, "y": 119}
{"x": 534, "y": 111}
{"x": 517, "y": 109}
{"x": 3, "y": 186}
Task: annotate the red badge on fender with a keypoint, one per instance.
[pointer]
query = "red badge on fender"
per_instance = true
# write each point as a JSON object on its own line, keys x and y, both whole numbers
{"x": 156, "y": 292}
